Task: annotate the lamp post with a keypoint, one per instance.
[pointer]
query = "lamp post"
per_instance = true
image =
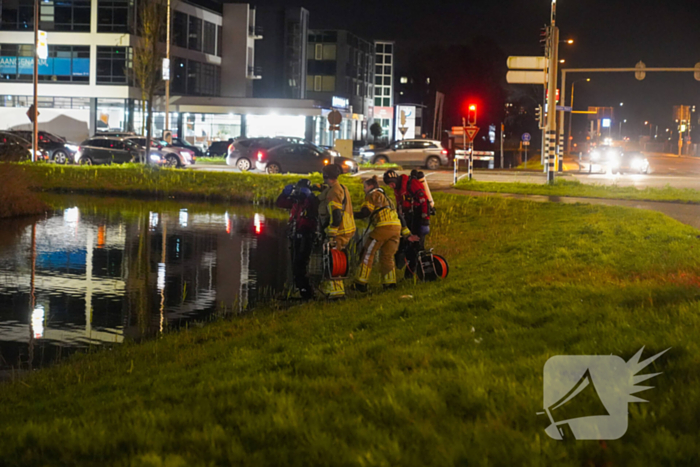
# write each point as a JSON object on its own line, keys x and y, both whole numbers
{"x": 167, "y": 81}
{"x": 553, "y": 55}
{"x": 571, "y": 115}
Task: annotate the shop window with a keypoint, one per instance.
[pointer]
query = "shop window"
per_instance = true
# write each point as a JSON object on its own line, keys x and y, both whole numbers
{"x": 113, "y": 64}
{"x": 65, "y": 63}
{"x": 17, "y": 15}
{"x": 112, "y": 15}
{"x": 194, "y": 41}
{"x": 179, "y": 33}
{"x": 209, "y": 38}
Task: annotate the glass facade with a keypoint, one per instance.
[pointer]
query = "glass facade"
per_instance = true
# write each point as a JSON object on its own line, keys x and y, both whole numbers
{"x": 113, "y": 64}
{"x": 384, "y": 75}
{"x": 17, "y": 15}
{"x": 65, "y": 15}
{"x": 65, "y": 63}
{"x": 194, "y": 78}
{"x": 112, "y": 15}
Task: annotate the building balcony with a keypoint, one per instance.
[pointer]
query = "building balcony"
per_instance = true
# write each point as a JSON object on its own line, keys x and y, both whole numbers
{"x": 254, "y": 72}
{"x": 256, "y": 32}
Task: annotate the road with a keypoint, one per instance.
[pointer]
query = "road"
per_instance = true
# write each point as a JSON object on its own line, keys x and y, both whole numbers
{"x": 678, "y": 172}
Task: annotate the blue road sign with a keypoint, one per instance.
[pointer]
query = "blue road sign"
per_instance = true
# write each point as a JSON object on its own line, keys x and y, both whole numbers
{"x": 564, "y": 108}
{"x": 526, "y": 137}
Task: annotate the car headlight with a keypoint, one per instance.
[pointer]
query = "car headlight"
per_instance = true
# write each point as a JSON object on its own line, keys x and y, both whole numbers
{"x": 350, "y": 163}
{"x": 155, "y": 157}
{"x": 368, "y": 153}
{"x": 636, "y": 163}
{"x": 72, "y": 147}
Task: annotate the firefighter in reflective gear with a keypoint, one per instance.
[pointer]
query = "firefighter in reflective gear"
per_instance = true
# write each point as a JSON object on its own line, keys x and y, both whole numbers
{"x": 413, "y": 205}
{"x": 336, "y": 219}
{"x": 386, "y": 231}
{"x": 302, "y": 227}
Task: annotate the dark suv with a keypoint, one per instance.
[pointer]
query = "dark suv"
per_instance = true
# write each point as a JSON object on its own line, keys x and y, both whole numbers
{"x": 109, "y": 150}
{"x": 219, "y": 148}
{"x": 242, "y": 154}
{"x": 57, "y": 148}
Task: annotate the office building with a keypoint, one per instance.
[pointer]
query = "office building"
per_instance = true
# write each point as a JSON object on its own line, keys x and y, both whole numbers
{"x": 282, "y": 53}
{"x": 384, "y": 87}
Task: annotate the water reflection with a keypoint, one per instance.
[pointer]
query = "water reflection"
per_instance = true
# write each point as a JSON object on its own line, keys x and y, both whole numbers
{"x": 89, "y": 275}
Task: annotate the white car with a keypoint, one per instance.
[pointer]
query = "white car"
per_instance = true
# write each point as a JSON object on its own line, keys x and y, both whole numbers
{"x": 410, "y": 152}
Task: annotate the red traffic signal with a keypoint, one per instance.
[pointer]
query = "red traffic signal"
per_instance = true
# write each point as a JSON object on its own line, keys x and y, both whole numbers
{"x": 471, "y": 115}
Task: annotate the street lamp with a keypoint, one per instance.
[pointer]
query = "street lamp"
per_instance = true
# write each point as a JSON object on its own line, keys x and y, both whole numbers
{"x": 621, "y": 104}
{"x": 568, "y": 144}
{"x": 621, "y": 122}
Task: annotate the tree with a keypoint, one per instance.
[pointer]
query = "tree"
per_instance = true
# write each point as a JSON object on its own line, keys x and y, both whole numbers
{"x": 148, "y": 57}
{"x": 376, "y": 130}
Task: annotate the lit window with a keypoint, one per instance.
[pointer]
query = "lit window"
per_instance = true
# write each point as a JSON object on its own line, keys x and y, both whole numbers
{"x": 404, "y": 80}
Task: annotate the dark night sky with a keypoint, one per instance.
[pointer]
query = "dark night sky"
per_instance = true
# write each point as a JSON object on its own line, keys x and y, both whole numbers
{"x": 608, "y": 33}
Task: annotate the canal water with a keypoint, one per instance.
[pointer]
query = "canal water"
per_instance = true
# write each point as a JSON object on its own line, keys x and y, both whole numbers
{"x": 99, "y": 271}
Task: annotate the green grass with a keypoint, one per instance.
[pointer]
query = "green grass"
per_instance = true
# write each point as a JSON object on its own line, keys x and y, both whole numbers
{"x": 16, "y": 199}
{"x": 431, "y": 374}
{"x": 205, "y": 160}
{"x": 386, "y": 166}
{"x": 137, "y": 180}
{"x": 577, "y": 189}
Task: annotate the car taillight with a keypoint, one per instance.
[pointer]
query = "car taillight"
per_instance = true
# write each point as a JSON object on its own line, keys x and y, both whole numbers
{"x": 261, "y": 156}
{"x": 444, "y": 152}
{"x": 230, "y": 147}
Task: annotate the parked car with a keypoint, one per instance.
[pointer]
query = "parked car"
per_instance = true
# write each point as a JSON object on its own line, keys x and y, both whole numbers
{"x": 181, "y": 143}
{"x": 243, "y": 152}
{"x": 114, "y": 133}
{"x": 298, "y": 158}
{"x": 112, "y": 150}
{"x": 58, "y": 149}
{"x": 219, "y": 148}
{"x": 174, "y": 156}
{"x": 410, "y": 152}
{"x": 14, "y": 148}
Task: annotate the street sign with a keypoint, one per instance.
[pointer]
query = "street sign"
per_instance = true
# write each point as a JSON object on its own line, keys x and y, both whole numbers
{"x": 30, "y": 113}
{"x": 457, "y": 130}
{"x": 471, "y": 132}
{"x": 166, "y": 69}
{"x": 334, "y": 118}
{"x": 526, "y": 137}
{"x": 564, "y": 108}
{"x": 526, "y": 143}
{"x": 640, "y": 74}
{"x": 527, "y": 63}
{"x": 42, "y": 49}
{"x": 525, "y": 77}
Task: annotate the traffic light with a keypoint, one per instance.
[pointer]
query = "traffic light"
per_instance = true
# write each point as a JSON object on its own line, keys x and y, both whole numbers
{"x": 471, "y": 115}
{"x": 538, "y": 117}
{"x": 544, "y": 37}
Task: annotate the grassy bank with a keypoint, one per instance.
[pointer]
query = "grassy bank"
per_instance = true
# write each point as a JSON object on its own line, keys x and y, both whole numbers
{"x": 16, "y": 199}
{"x": 434, "y": 374}
{"x": 577, "y": 189}
{"x": 136, "y": 180}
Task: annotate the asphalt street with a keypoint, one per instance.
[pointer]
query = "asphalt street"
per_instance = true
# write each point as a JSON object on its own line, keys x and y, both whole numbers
{"x": 665, "y": 169}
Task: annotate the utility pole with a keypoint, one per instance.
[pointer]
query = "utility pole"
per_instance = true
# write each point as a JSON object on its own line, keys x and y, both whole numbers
{"x": 35, "y": 128}
{"x": 502, "y": 127}
{"x": 167, "y": 81}
{"x": 553, "y": 55}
